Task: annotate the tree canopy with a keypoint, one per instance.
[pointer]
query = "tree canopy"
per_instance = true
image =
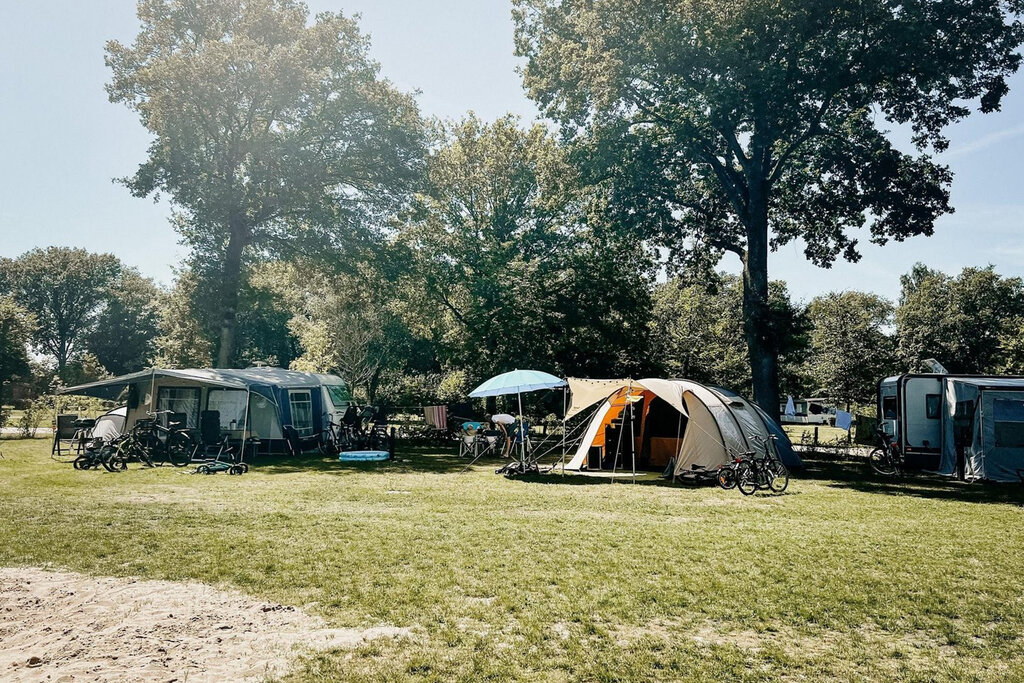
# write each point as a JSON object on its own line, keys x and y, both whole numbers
{"x": 65, "y": 289}
{"x": 272, "y": 134}
{"x": 743, "y": 125}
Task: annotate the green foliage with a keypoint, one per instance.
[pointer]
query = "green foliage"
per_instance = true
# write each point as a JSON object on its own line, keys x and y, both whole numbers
{"x": 852, "y": 345}
{"x": 65, "y": 289}
{"x": 969, "y": 323}
{"x": 744, "y": 125}
{"x": 17, "y": 326}
{"x": 273, "y": 135}
{"x": 697, "y": 329}
{"x": 513, "y": 265}
{"x": 122, "y": 336}
{"x": 183, "y": 343}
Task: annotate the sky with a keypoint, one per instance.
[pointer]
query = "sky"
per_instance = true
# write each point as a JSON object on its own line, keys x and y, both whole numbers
{"x": 62, "y": 143}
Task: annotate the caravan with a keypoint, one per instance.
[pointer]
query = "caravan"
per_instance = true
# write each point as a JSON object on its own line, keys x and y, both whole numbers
{"x": 971, "y": 426}
{"x": 256, "y": 402}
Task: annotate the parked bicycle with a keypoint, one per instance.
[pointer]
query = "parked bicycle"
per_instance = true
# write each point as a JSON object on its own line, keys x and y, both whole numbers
{"x": 887, "y": 459}
{"x": 153, "y": 444}
{"x": 765, "y": 470}
{"x": 96, "y": 453}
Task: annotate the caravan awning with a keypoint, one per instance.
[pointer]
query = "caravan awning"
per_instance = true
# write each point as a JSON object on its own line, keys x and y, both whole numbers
{"x": 111, "y": 388}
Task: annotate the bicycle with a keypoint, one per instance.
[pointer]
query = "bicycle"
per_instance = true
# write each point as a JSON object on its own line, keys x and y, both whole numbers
{"x": 97, "y": 452}
{"x": 144, "y": 443}
{"x": 767, "y": 472}
{"x": 886, "y": 459}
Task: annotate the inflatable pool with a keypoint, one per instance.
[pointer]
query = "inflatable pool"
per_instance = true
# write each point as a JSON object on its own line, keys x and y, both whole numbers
{"x": 363, "y": 456}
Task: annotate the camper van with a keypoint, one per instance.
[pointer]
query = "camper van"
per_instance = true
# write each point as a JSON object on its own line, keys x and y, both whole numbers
{"x": 809, "y": 411}
{"x": 971, "y": 426}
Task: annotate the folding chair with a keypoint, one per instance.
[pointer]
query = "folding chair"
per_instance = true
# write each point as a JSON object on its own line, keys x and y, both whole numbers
{"x": 65, "y": 434}
{"x": 469, "y": 443}
{"x": 212, "y": 442}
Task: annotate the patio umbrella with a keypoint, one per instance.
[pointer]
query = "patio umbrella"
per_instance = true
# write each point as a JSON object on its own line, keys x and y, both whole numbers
{"x": 516, "y": 382}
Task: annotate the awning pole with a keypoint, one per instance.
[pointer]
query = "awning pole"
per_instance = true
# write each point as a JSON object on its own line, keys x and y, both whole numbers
{"x": 245, "y": 421}
{"x": 522, "y": 433}
{"x": 632, "y": 437}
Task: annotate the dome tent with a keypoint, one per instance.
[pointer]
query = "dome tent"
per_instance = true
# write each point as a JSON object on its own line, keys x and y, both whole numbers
{"x": 650, "y": 421}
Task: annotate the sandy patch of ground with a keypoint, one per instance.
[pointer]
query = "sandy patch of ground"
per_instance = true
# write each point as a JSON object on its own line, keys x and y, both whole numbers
{"x": 65, "y": 627}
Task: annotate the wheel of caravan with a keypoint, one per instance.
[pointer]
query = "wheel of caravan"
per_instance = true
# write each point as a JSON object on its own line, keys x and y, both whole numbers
{"x": 778, "y": 476}
{"x": 179, "y": 449}
{"x": 881, "y": 462}
{"x": 746, "y": 478}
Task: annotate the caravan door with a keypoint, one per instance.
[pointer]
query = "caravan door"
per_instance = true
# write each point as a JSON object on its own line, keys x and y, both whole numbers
{"x": 921, "y": 421}
{"x": 1002, "y": 434}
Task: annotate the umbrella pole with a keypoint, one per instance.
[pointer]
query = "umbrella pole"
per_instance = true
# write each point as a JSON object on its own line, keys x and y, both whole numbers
{"x": 522, "y": 433}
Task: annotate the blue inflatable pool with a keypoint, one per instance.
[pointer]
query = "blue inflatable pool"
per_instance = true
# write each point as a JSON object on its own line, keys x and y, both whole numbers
{"x": 363, "y": 456}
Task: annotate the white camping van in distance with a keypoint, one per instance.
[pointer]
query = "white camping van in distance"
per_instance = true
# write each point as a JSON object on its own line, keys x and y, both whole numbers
{"x": 809, "y": 411}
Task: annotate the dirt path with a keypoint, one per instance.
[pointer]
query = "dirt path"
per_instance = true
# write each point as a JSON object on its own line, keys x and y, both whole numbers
{"x": 65, "y": 627}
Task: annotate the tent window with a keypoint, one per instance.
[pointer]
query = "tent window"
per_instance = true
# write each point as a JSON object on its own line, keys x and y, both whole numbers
{"x": 184, "y": 400}
{"x": 301, "y": 403}
{"x": 932, "y": 405}
{"x": 1008, "y": 415}
{"x": 230, "y": 403}
{"x": 339, "y": 396}
{"x": 888, "y": 407}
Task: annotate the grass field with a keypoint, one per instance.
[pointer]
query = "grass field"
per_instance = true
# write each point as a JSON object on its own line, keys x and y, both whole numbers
{"x": 843, "y": 577}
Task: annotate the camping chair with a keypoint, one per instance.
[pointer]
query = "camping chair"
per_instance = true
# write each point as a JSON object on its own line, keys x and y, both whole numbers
{"x": 212, "y": 442}
{"x": 65, "y": 434}
{"x": 470, "y": 439}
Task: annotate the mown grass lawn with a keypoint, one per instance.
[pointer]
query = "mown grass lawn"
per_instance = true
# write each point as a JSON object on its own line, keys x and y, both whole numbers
{"x": 844, "y": 577}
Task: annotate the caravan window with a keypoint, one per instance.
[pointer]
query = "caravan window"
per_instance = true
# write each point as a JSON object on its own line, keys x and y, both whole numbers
{"x": 932, "y": 406}
{"x": 888, "y": 407}
{"x": 301, "y": 404}
{"x": 183, "y": 400}
{"x": 230, "y": 403}
{"x": 339, "y": 396}
{"x": 1008, "y": 416}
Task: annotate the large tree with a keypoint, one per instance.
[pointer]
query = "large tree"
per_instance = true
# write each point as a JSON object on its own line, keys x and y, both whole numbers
{"x": 122, "y": 336}
{"x": 514, "y": 266}
{"x": 66, "y": 290}
{"x": 272, "y": 134}
{"x": 969, "y": 322}
{"x": 741, "y": 125}
{"x": 16, "y": 327}
{"x": 852, "y": 345}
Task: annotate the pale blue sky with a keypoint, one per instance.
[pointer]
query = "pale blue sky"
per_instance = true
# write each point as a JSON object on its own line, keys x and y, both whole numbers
{"x": 61, "y": 142}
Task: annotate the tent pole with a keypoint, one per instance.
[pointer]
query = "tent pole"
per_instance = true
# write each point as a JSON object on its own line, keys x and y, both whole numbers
{"x": 565, "y": 394}
{"x": 622, "y": 428}
{"x": 152, "y": 391}
{"x": 679, "y": 448}
{"x": 632, "y": 436}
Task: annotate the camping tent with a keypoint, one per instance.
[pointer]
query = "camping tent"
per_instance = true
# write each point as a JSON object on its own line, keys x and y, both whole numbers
{"x": 252, "y": 402}
{"x": 652, "y": 421}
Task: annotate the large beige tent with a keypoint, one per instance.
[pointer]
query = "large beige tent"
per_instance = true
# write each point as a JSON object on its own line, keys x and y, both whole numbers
{"x": 646, "y": 423}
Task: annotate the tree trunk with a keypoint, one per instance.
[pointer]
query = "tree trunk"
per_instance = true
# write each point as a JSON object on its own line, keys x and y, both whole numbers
{"x": 230, "y": 286}
{"x": 764, "y": 364}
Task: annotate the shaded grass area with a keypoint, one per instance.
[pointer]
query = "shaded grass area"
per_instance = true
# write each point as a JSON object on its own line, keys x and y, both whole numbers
{"x": 573, "y": 578}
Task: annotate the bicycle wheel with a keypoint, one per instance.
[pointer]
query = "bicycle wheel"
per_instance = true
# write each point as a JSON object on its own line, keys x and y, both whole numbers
{"x": 778, "y": 476}
{"x": 81, "y": 462}
{"x": 727, "y": 477}
{"x": 746, "y": 478}
{"x": 881, "y": 462}
{"x": 179, "y": 449}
